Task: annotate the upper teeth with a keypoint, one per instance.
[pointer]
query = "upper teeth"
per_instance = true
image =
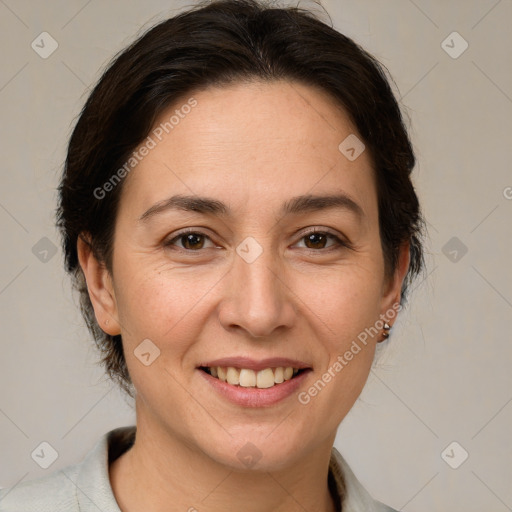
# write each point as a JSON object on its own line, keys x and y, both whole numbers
{"x": 249, "y": 378}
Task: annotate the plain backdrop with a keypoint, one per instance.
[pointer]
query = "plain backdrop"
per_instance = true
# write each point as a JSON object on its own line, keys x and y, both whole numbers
{"x": 443, "y": 377}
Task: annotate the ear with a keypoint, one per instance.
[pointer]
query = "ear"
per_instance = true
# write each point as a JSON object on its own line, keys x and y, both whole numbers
{"x": 100, "y": 287}
{"x": 392, "y": 288}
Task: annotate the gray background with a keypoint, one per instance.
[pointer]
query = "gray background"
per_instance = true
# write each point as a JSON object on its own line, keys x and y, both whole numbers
{"x": 445, "y": 374}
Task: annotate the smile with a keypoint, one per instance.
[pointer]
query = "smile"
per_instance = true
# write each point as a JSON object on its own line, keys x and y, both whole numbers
{"x": 248, "y": 378}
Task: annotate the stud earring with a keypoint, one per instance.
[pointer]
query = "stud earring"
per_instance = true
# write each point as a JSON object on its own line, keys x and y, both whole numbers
{"x": 385, "y": 333}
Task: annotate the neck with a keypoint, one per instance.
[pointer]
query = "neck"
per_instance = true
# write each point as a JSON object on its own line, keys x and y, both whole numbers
{"x": 161, "y": 473}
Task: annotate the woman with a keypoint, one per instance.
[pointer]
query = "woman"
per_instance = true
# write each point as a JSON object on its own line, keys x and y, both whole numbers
{"x": 238, "y": 216}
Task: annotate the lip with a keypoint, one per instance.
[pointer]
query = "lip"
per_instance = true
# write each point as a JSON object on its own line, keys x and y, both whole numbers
{"x": 255, "y": 397}
{"x": 257, "y": 365}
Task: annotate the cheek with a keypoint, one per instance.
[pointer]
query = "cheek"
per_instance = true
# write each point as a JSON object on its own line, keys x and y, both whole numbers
{"x": 166, "y": 305}
{"x": 350, "y": 352}
{"x": 346, "y": 311}
{"x": 170, "y": 313}
{"x": 345, "y": 300}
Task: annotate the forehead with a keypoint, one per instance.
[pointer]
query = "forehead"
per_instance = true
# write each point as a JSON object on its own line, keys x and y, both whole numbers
{"x": 249, "y": 141}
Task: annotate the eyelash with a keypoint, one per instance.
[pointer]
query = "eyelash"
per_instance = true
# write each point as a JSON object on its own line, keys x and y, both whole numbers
{"x": 339, "y": 242}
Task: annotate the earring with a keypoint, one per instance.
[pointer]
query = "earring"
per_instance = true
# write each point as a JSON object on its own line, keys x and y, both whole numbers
{"x": 385, "y": 333}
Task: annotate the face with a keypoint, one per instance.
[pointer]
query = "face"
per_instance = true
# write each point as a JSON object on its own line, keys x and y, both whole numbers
{"x": 254, "y": 270}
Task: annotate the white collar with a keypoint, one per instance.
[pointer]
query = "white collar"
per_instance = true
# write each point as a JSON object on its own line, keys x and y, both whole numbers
{"x": 94, "y": 491}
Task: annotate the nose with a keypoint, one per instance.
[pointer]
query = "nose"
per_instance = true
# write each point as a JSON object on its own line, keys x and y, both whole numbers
{"x": 257, "y": 297}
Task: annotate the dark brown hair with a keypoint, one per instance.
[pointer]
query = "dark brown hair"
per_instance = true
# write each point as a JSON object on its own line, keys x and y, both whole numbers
{"x": 220, "y": 43}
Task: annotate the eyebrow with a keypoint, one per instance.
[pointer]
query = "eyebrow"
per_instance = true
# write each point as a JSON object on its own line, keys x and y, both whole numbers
{"x": 296, "y": 205}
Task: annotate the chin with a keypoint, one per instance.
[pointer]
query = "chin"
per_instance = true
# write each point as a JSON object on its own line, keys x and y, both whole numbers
{"x": 257, "y": 450}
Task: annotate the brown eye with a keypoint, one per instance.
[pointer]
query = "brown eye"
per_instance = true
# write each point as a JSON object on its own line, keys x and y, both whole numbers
{"x": 318, "y": 240}
{"x": 190, "y": 241}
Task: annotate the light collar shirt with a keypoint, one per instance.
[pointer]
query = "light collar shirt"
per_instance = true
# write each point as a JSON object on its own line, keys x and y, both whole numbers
{"x": 85, "y": 487}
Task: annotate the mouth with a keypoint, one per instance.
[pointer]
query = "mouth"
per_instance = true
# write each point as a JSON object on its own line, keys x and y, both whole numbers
{"x": 255, "y": 383}
{"x": 248, "y": 378}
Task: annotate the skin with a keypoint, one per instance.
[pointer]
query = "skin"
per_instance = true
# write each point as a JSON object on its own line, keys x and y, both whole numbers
{"x": 253, "y": 147}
